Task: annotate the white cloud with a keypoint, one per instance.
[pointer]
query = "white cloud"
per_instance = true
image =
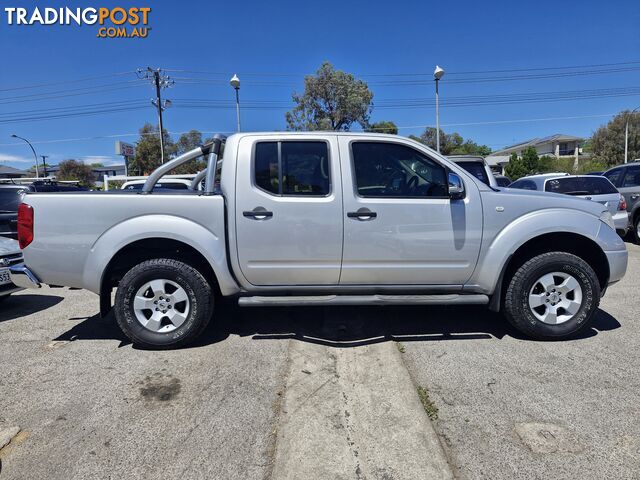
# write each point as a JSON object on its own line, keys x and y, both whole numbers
{"x": 5, "y": 157}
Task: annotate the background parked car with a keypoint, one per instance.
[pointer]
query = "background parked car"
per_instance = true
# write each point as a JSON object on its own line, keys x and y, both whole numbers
{"x": 10, "y": 198}
{"x": 626, "y": 178}
{"x": 168, "y": 184}
{"x": 477, "y": 167}
{"x": 10, "y": 254}
{"x": 589, "y": 187}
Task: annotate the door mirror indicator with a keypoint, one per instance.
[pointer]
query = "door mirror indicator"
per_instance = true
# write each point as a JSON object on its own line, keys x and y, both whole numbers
{"x": 456, "y": 187}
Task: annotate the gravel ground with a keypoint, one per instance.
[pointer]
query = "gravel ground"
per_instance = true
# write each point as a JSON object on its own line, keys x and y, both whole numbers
{"x": 90, "y": 406}
{"x": 514, "y": 408}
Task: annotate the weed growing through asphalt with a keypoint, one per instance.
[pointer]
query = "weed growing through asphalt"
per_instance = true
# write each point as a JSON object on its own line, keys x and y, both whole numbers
{"x": 400, "y": 346}
{"x": 427, "y": 403}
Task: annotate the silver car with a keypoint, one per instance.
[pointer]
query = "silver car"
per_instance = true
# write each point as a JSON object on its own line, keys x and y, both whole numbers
{"x": 589, "y": 187}
{"x": 10, "y": 254}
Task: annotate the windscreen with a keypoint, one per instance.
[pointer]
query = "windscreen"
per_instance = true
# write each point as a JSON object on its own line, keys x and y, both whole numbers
{"x": 588, "y": 185}
{"x": 476, "y": 169}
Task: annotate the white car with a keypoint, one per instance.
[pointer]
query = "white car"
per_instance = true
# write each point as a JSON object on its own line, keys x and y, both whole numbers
{"x": 10, "y": 254}
{"x": 590, "y": 187}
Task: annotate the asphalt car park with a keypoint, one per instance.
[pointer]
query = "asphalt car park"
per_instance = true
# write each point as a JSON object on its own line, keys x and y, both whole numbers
{"x": 89, "y": 405}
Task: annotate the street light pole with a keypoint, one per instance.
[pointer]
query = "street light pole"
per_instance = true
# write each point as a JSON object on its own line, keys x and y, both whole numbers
{"x": 32, "y": 149}
{"x": 437, "y": 75}
{"x": 235, "y": 83}
{"x": 626, "y": 135}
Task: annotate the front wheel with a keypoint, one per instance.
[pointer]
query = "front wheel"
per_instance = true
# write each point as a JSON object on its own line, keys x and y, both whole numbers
{"x": 552, "y": 296}
{"x": 163, "y": 303}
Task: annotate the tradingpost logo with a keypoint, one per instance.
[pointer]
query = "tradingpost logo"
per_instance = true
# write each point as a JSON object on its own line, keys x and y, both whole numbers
{"x": 114, "y": 22}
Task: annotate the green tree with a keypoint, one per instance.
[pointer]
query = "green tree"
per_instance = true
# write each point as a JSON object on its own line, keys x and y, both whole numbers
{"x": 332, "y": 100}
{"x": 607, "y": 143}
{"x": 530, "y": 160}
{"x": 76, "y": 171}
{"x": 451, "y": 143}
{"x": 148, "y": 156}
{"x": 189, "y": 141}
{"x": 469, "y": 147}
{"x": 516, "y": 168}
{"x": 547, "y": 164}
{"x": 384, "y": 126}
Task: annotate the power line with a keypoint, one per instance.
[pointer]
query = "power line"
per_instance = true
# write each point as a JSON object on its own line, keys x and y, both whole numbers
{"x": 405, "y": 127}
{"x": 65, "y": 82}
{"x": 412, "y": 74}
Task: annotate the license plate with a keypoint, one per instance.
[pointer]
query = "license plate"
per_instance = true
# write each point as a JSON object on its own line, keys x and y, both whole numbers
{"x": 4, "y": 276}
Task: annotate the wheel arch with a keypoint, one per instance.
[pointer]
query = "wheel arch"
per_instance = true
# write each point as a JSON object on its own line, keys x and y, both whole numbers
{"x": 569, "y": 242}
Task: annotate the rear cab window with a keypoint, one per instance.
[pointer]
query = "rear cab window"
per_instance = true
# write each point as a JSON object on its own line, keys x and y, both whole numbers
{"x": 298, "y": 168}
{"x": 590, "y": 185}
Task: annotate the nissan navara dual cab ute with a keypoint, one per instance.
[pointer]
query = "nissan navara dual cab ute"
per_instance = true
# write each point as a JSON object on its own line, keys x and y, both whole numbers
{"x": 322, "y": 218}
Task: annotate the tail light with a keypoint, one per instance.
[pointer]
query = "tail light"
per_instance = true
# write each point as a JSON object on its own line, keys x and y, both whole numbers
{"x": 623, "y": 203}
{"x": 25, "y": 225}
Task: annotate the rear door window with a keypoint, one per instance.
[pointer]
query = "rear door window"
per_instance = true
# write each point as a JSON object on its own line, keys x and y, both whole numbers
{"x": 588, "y": 185}
{"x": 632, "y": 177}
{"x": 614, "y": 176}
{"x": 292, "y": 168}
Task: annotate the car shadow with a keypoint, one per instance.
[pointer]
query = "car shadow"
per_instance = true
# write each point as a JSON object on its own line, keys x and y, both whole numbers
{"x": 20, "y": 305}
{"x": 342, "y": 326}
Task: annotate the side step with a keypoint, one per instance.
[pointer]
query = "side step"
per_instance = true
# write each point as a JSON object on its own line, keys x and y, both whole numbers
{"x": 451, "y": 299}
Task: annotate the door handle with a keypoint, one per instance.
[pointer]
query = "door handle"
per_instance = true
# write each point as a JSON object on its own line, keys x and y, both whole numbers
{"x": 362, "y": 214}
{"x": 258, "y": 213}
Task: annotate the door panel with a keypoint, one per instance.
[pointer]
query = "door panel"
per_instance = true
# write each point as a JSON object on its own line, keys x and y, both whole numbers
{"x": 630, "y": 186}
{"x": 423, "y": 238}
{"x": 290, "y": 235}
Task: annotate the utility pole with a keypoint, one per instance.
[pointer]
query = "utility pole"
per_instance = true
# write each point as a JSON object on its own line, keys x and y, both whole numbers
{"x": 159, "y": 81}
{"x": 44, "y": 164}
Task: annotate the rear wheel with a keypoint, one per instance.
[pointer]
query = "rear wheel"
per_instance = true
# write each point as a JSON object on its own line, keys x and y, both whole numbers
{"x": 636, "y": 228}
{"x": 552, "y": 296}
{"x": 163, "y": 303}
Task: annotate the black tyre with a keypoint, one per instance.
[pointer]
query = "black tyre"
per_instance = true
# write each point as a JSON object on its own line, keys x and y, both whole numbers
{"x": 163, "y": 303}
{"x": 636, "y": 229}
{"x": 3, "y": 298}
{"x": 552, "y": 296}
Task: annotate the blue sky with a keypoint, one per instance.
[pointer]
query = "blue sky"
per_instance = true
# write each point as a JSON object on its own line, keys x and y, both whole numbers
{"x": 271, "y": 45}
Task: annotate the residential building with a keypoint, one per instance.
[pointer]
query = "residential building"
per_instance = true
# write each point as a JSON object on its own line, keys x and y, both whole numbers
{"x": 558, "y": 145}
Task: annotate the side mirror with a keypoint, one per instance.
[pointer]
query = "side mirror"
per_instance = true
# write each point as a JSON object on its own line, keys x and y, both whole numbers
{"x": 456, "y": 187}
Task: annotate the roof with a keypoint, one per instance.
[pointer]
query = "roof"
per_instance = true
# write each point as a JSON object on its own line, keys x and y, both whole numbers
{"x": 7, "y": 171}
{"x": 558, "y": 137}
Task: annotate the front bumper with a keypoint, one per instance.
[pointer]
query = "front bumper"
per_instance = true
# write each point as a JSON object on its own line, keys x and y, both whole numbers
{"x": 21, "y": 276}
{"x": 617, "y": 264}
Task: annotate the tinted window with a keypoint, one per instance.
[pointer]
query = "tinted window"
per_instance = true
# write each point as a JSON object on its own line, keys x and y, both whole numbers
{"x": 392, "y": 170}
{"x": 503, "y": 181}
{"x": 614, "y": 176}
{"x": 304, "y": 168}
{"x": 10, "y": 198}
{"x": 524, "y": 185}
{"x": 580, "y": 186}
{"x": 476, "y": 169}
{"x": 632, "y": 177}
{"x": 266, "y": 166}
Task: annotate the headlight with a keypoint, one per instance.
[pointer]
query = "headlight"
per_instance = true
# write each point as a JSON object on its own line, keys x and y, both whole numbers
{"x": 607, "y": 218}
